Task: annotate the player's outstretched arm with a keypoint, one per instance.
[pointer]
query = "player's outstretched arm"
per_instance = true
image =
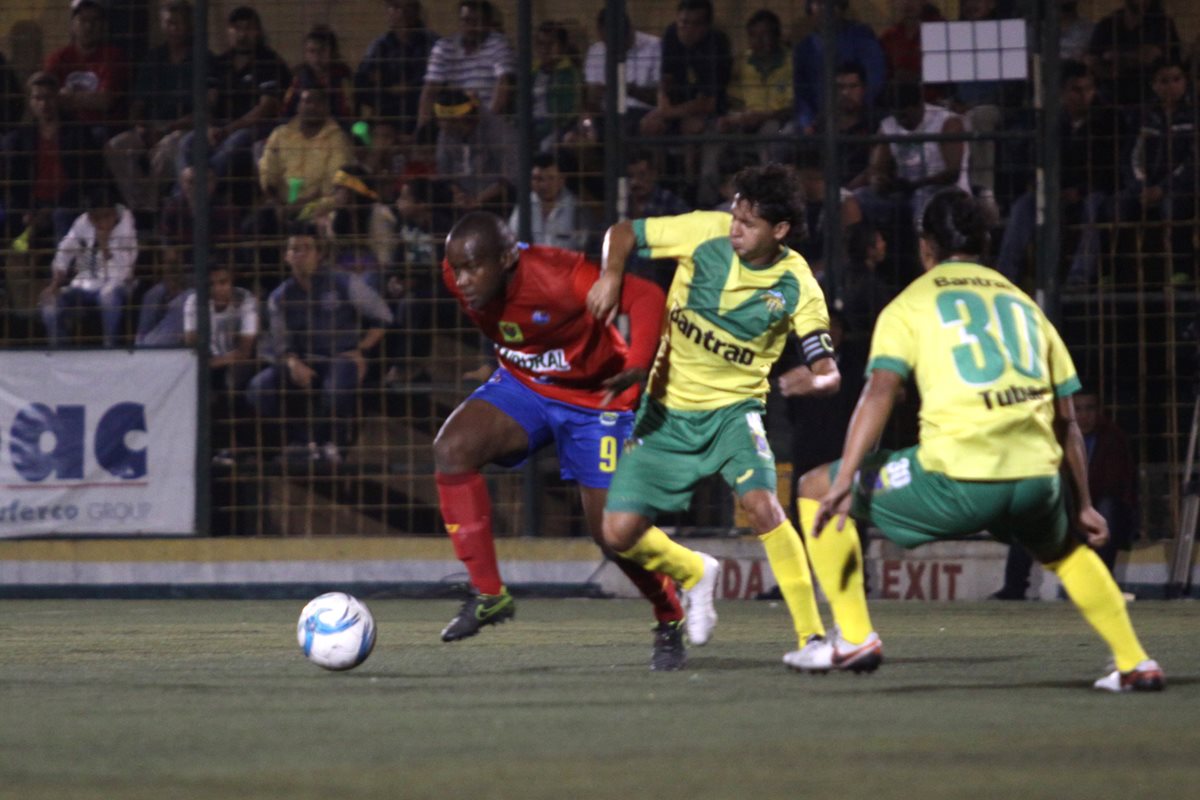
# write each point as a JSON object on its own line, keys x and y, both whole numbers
{"x": 870, "y": 415}
{"x": 604, "y": 298}
{"x": 1090, "y": 521}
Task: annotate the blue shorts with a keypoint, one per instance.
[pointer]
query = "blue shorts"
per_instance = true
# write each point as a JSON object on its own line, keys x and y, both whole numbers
{"x": 588, "y": 440}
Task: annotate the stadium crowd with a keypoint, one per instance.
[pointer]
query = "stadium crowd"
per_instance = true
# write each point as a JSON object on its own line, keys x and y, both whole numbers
{"x": 370, "y": 165}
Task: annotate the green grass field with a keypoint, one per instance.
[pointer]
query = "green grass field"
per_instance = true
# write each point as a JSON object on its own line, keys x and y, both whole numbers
{"x": 212, "y": 699}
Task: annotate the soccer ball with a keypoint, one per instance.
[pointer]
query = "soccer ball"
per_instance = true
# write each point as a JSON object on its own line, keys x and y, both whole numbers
{"x": 336, "y": 631}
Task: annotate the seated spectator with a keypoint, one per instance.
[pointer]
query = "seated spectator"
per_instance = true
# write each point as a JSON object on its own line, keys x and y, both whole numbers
{"x": 226, "y": 218}
{"x": 854, "y": 42}
{"x": 361, "y": 228}
{"x": 810, "y": 242}
{"x": 556, "y": 216}
{"x": 1091, "y": 147}
{"x": 760, "y": 95}
{"x": 1074, "y": 31}
{"x": 868, "y": 289}
{"x": 160, "y": 318}
{"x": 233, "y": 330}
{"x": 389, "y": 78}
{"x": 901, "y": 42}
{"x": 1164, "y": 165}
{"x": 1126, "y": 45}
{"x": 905, "y": 176}
{"x": 557, "y": 85}
{"x": 643, "y": 72}
{"x": 48, "y": 164}
{"x": 93, "y": 267}
{"x": 317, "y": 319}
{"x": 93, "y": 74}
{"x": 476, "y": 154}
{"x": 248, "y": 81}
{"x": 300, "y": 160}
{"x": 143, "y": 159}
{"x": 477, "y": 60}
{"x": 697, "y": 65}
{"x": 323, "y": 68}
{"x": 853, "y": 117}
{"x": 646, "y": 197}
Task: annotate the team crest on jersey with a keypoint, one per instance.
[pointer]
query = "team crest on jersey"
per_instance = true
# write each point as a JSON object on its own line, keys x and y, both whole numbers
{"x": 541, "y": 317}
{"x": 511, "y": 331}
{"x": 774, "y": 300}
{"x": 608, "y": 418}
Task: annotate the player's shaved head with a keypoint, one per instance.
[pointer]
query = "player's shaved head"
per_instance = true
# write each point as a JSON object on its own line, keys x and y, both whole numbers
{"x": 480, "y": 236}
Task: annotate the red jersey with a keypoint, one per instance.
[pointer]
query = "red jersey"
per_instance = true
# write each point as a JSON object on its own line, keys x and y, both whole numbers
{"x": 106, "y": 70}
{"x": 545, "y": 336}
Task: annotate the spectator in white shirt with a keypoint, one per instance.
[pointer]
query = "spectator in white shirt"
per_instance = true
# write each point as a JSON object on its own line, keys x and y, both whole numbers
{"x": 233, "y": 329}
{"x": 93, "y": 267}
{"x": 556, "y": 216}
{"x": 643, "y": 63}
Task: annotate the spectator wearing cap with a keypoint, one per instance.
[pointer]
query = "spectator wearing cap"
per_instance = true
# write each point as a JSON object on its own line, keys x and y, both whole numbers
{"x": 476, "y": 153}
{"x": 93, "y": 74}
{"x": 143, "y": 160}
{"x": 477, "y": 59}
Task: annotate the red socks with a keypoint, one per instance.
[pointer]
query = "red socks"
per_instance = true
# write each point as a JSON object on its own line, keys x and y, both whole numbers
{"x": 467, "y": 512}
{"x": 655, "y": 587}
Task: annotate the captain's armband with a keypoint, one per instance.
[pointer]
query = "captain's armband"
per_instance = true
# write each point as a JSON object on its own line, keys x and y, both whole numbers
{"x": 815, "y": 346}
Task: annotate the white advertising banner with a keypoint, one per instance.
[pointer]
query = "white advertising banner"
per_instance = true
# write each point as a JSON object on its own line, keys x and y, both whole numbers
{"x": 97, "y": 442}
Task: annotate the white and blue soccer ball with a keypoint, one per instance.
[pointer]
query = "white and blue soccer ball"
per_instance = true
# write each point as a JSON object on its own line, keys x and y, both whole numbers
{"x": 336, "y": 631}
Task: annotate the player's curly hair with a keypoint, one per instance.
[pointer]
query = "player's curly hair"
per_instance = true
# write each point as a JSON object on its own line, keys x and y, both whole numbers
{"x": 956, "y": 223}
{"x": 773, "y": 190}
{"x": 482, "y": 234}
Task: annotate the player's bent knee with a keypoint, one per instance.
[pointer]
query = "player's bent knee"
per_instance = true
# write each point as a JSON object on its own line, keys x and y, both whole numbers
{"x": 621, "y": 531}
{"x": 452, "y": 452}
{"x": 764, "y": 510}
{"x": 815, "y": 483}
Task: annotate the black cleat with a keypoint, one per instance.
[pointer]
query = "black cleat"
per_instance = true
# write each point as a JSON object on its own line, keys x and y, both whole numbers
{"x": 477, "y": 611}
{"x": 669, "y": 654}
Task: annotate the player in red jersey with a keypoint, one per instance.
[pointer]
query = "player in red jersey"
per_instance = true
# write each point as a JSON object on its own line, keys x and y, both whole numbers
{"x": 565, "y": 377}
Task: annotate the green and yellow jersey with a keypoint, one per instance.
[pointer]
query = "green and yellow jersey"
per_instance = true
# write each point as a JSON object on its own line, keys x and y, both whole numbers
{"x": 726, "y": 322}
{"x": 989, "y": 367}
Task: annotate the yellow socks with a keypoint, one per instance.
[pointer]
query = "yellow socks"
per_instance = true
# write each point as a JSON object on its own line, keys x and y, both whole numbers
{"x": 785, "y": 552}
{"x": 837, "y": 559}
{"x": 1092, "y": 588}
{"x": 657, "y": 552}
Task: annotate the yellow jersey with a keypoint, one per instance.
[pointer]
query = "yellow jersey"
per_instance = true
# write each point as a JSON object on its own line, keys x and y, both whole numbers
{"x": 726, "y": 321}
{"x": 989, "y": 367}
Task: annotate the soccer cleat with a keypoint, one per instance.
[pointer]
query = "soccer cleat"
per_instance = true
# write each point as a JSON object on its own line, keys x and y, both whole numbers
{"x": 864, "y": 657}
{"x": 815, "y": 656}
{"x": 669, "y": 654}
{"x": 820, "y": 654}
{"x": 477, "y": 611}
{"x": 1147, "y": 676}
{"x": 698, "y": 603}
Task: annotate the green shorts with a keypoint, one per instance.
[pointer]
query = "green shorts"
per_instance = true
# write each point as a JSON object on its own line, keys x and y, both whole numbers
{"x": 672, "y": 451}
{"x": 911, "y": 507}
